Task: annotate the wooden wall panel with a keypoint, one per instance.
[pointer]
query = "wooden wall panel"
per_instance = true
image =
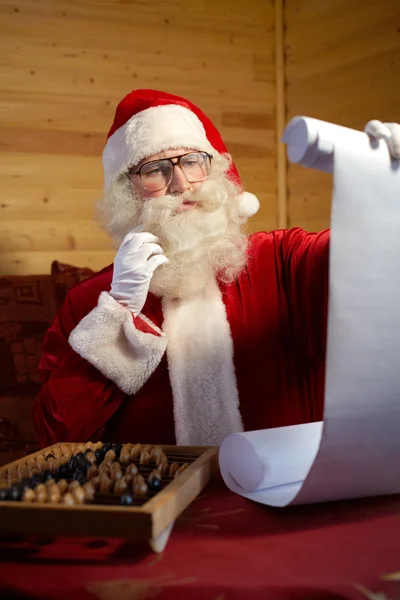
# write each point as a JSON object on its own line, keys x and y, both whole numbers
{"x": 63, "y": 67}
{"x": 342, "y": 65}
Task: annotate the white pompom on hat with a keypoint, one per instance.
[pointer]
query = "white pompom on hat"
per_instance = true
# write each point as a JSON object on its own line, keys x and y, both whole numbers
{"x": 148, "y": 121}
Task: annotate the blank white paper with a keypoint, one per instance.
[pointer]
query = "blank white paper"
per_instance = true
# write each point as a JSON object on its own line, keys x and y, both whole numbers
{"x": 355, "y": 452}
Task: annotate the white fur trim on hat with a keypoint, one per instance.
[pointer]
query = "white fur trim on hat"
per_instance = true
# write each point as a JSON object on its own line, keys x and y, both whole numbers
{"x": 249, "y": 205}
{"x": 149, "y": 132}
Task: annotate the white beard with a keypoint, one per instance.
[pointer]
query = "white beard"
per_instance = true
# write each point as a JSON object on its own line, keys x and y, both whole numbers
{"x": 200, "y": 243}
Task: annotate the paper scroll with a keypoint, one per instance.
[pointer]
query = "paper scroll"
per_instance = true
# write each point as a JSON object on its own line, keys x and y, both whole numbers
{"x": 355, "y": 452}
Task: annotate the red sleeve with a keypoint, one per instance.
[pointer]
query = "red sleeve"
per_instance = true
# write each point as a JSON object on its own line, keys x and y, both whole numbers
{"x": 306, "y": 269}
{"x": 76, "y": 400}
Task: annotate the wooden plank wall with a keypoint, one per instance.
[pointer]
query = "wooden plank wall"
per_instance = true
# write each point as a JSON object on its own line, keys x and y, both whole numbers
{"x": 65, "y": 64}
{"x": 342, "y": 65}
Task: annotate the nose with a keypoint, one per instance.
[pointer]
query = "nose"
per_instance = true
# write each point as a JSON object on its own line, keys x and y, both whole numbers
{"x": 178, "y": 183}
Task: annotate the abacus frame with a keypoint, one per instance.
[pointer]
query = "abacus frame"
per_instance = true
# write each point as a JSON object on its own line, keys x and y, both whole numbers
{"x": 150, "y": 522}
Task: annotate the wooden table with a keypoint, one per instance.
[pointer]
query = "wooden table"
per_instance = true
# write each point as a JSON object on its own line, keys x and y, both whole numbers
{"x": 223, "y": 547}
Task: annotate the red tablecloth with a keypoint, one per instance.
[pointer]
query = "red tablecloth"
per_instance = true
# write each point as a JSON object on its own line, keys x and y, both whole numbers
{"x": 223, "y": 548}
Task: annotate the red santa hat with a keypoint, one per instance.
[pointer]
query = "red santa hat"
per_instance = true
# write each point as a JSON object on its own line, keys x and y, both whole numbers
{"x": 148, "y": 121}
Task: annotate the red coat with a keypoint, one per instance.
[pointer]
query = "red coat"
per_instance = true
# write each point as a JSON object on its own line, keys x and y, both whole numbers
{"x": 276, "y": 311}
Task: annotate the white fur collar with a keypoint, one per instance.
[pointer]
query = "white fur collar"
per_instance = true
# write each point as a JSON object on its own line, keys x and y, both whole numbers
{"x": 202, "y": 373}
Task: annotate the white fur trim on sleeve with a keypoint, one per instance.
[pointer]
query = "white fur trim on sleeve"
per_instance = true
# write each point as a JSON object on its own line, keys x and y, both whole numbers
{"x": 249, "y": 205}
{"x": 108, "y": 339}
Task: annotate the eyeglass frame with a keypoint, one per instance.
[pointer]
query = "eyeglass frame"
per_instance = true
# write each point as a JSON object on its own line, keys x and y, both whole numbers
{"x": 174, "y": 164}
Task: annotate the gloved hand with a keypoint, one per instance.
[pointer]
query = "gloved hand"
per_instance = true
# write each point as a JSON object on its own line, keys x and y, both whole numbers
{"x": 390, "y": 132}
{"x": 134, "y": 264}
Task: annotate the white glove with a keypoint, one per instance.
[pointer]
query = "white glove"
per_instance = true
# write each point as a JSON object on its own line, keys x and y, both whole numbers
{"x": 134, "y": 264}
{"x": 390, "y": 132}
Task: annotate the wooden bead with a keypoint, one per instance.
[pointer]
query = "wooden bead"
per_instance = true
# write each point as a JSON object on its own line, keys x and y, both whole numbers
{"x": 105, "y": 467}
{"x": 116, "y": 475}
{"x": 93, "y": 471}
{"x": 41, "y": 488}
{"x": 89, "y": 446}
{"x": 138, "y": 479}
{"x": 120, "y": 487}
{"x": 89, "y": 490}
{"x": 65, "y": 448}
{"x": 57, "y": 452}
{"x": 54, "y": 494}
{"x": 66, "y": 455}
{"x": 73, "y": 485}
{"x": 96, "y": 483}
{"x": 62, "y": 485}
{"x": 163, "y": 467}
{"x": 79, "y": 495}
{"x": 52, "y": 464}
{"x": 105, "y": 483}
{"x": 50, "y": 482}
{"x": 127, "y": 447}
{"x": 136, "y": 451}
{"x": 173, "y": 468}
{"x": 140, "y": 489}
{"x": 147, "y": 448}
{"x": 29, "y": 495}
{"x": 160, "y": 459}
{"x": 132, "y": 470}
{"x": 128, "y": 479}
{"x": 124, "y": 457}
{"x": 98, "y": 445}
{"x": 145, "y": 458}
{"x": 110, "y": 456}
{"x": 156, "y": 452}
{"x": 41, "y": 497}
{"x": 68, "y": 499}
{"x": 80, "y": 448}
{"x": 115, "y": 467}
{"x": 90, "y": 457}
{"x": 23, "y": 473}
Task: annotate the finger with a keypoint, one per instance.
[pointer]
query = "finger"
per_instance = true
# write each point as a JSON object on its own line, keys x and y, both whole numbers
{"x": 377, "y": 129}
{"x": 147, "y": 250}
{"x": 156, "y": 261}
{"x": 136, "y": 240}
{"x": 394, "y": 140}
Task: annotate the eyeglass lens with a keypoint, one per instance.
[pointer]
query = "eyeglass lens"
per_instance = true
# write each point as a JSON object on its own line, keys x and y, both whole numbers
{"x": 158, "y": 174}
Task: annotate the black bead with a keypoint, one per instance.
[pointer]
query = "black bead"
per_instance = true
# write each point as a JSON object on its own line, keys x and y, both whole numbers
{"x": 83, "y": 464}
{"x": 50, "y": 456}
{"x": 106, "y": 447}
{"x": 36, "y": 478}
{"x": 117, "y": 449}
{"x": 127, "y": 499}
{"x": 3, "y": 494}
{"x": 79, "y": 477}
{"x": 79, "y": 456}
{"x": 14, "y": 493}
{"x": 47, "y": 475}
{"x": 62, "y": 471}
{"x": 99, "y": 456}
{"x": 154, "y": 484}
{"x": 72, "y": 463}
{"x": 25, "y": 483}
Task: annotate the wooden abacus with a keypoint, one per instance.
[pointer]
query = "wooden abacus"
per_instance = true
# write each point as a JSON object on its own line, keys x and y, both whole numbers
{"x": 54, "y": 495}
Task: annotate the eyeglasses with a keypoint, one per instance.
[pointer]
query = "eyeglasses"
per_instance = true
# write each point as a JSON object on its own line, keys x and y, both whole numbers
{"x": 157, "y": 174}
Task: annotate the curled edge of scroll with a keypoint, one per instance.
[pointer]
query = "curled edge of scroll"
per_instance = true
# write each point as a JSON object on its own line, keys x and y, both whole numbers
{"x": 274, "y": 461}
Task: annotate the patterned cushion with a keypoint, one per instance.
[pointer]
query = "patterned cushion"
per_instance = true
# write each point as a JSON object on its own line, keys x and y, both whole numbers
{"x": 28, "y": 305}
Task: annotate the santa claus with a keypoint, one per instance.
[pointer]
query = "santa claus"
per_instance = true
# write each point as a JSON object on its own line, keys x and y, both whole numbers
{"x": 197, "y": 330}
